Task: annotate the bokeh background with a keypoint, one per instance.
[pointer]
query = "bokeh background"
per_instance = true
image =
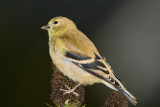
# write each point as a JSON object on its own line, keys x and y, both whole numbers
{"x": 126, "y": 32}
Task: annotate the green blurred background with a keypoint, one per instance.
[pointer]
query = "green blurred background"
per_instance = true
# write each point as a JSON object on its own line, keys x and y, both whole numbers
{"x": 127, "y": 33}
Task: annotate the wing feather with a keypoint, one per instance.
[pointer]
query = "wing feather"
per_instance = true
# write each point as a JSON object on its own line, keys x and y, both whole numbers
{"x": 92, "y": 65}
{"x": 96, "y": 68}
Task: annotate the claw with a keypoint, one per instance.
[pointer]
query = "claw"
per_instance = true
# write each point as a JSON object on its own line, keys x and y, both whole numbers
{"x": 70, "y": 90}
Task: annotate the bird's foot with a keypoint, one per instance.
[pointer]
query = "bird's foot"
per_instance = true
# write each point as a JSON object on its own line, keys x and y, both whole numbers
{"x": 70, "y": 90}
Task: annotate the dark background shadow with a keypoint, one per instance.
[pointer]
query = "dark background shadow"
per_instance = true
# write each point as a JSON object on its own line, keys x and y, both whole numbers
{"x": 127, "y": 33}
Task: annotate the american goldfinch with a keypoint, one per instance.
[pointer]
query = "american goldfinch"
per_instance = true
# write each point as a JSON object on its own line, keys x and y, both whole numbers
{"x": 77, "y": 57}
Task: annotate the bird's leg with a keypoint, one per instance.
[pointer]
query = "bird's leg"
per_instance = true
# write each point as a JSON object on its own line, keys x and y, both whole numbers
{"x": 71, "y": 90}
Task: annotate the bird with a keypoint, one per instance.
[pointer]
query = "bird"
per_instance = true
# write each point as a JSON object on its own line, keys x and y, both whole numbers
{"x": 75, "y": 55}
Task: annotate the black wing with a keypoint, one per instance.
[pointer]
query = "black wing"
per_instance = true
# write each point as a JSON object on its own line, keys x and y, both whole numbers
{"x": 96, "y": 65}
{"x": 91, "y": 66}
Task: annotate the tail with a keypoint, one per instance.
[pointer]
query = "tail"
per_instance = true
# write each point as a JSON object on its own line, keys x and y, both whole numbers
{"x": 115, "y": 84}
{"x": 128, "y": 95}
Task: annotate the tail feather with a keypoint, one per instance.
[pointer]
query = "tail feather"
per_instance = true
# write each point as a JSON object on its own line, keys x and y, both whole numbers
{"x": 115, "y": 84}
{"x": 128, "y": 95}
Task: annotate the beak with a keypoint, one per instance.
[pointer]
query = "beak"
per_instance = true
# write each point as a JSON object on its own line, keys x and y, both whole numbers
{"x": 46, "y": 27}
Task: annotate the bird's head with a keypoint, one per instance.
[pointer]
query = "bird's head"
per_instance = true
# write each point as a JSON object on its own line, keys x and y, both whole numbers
{"x": 58, "y": 25}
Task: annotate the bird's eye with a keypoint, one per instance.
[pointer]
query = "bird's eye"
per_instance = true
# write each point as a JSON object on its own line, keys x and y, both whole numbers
{"x": 55, "y": 22}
